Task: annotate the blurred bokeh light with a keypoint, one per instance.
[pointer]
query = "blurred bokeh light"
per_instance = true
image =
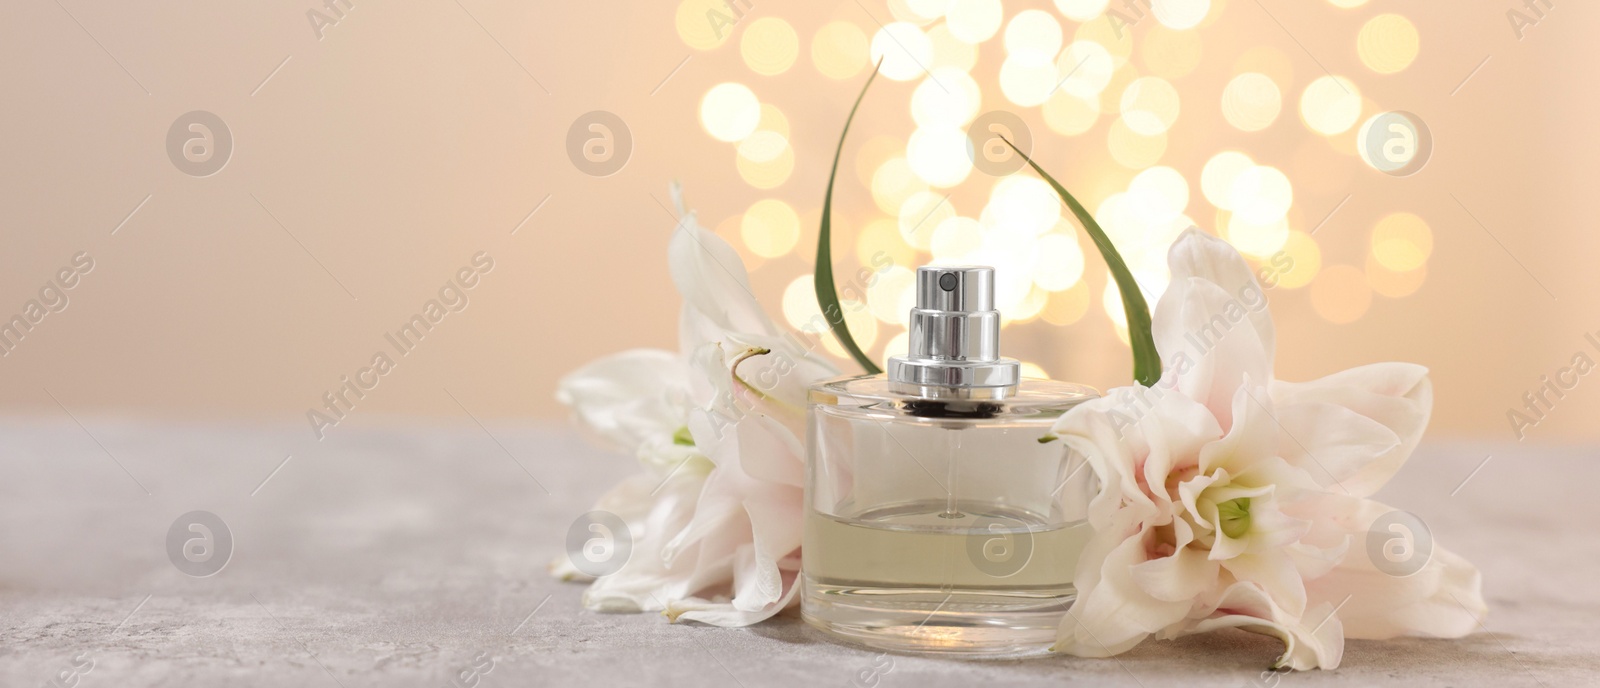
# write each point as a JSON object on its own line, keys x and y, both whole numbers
{"x": 1098, "y": 75}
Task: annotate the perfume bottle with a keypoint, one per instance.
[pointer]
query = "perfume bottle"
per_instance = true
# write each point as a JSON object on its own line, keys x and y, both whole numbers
{"x": 941, "y": 516}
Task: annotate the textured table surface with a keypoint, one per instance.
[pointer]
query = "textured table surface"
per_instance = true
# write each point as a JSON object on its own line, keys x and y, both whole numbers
{"x": 396, "y": 555}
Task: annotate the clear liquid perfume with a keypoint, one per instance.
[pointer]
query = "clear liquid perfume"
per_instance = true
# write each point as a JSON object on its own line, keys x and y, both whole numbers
{"x": 938, "y": 516}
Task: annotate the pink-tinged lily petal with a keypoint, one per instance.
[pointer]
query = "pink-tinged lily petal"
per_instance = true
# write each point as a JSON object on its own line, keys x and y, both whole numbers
{"x": 1272, "y": 457}
{"x": 628, "y": 398}
{"x": 716, "y": 518}
{"x": 1314, "y": 640}
{"x": 744, "y": 522}
{"x": 1275, "y": 574}
{"x": 1228, "y": 489}
{"x": 714, "y": 285}
{"x": 765, "y": 572}
{"x": 1360, "y": 424}
{"x": 1207, "y": 344}
{"x": 733, "y": 614}
{"x": 1287, "y": 481}
{"x": 1328, "y": 539}
{"x": 739, "y": 374}
{"x": 1177, "y": 578}
{"x": 763, "y": 432}
{"x": 1113, "y": 613}
{"x": 1268, "y": 531}
{"x": 655, "y": 510}
{"x": 1315, "y": 562}
{"x": 1224, "y": 547}
{"x": 1199, "y": 255}
{"x": 1442, "y": 599}
{"x": 1175, "y": 430}
{"x": 720, "y": 509}
{"x": 1134, "y": 437}
{"x": 1271, "y": 529}
{"x": 771, "y": 454}
{"x": 710, "y": 382}
{"x": 1089, "y": 430}
{"x": 1252, "y": 437}
{"x": 778, "y": 382}
{"x": 1190, "y": 490}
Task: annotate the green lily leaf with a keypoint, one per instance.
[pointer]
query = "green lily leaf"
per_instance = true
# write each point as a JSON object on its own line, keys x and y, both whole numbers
{"x": 827, "y": 294}
{"x": 1146, "y": 361}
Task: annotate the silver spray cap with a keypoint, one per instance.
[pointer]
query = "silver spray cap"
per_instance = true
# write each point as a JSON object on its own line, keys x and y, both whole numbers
{"x": 955, "y": 332}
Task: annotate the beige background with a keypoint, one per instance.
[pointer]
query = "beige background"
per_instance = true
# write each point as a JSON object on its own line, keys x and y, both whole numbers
{"x": 407, "y": 139}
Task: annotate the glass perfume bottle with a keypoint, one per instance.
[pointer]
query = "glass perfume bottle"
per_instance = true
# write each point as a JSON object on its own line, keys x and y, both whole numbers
{"x": 940, "y": 516}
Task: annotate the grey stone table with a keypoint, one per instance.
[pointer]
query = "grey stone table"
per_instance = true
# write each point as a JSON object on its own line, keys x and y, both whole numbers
{"x": 400, "y": 555}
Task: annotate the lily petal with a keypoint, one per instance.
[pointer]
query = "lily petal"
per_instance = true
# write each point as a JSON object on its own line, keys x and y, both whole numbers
{"x": 715, "y": 287}
{"x": 654, "y": 511}
{"x": 1360, "y": 424}
{"x": 1201, "y": 255}
{"x": 1207, "y": 345}
{"x": 1276, "y": 575}
{"x": 1113, "y": 613}
{"x": 1177, "y": 578}
{"x": 628, "y": 398}
{"x": 1443, "y": 599}
{"x": 1312, "y": 641}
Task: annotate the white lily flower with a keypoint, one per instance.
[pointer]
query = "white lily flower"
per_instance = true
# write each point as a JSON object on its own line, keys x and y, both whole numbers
{"x": 1230, "y": 499}
{"x": 715, "y": 517}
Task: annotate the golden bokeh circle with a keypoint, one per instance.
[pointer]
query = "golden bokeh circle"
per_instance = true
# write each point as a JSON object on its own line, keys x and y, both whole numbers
{"x": 939, "y": 155}
{"x": 1068, "y": 306}
{"x": 1388, "y": 43}
{"x": 769, "y": 46}
{"x": 1069, "y": 114}
{"x": 1297, "y": 263}
{"x": 799, "y": 305}
{"x": 1033, "y": 37}
{"x": 1116, "y": 41}
{"x": 1085, "y": 69}
{"x": 921, "y": 214}
{"x": 1081, "y": 10}
{"x": 903, "y": 49}
{"x": 840, "y": 50}
{"x": 956, "y": 238}
{"x": 1395, "y": 285}
{"x": 1255, "y": 240}
{"x": 705, "y": 24}
{"x": 1181, "y": 14}
{"x": 873, "y": 153}
{"x": 1169, "y": 53}
{"x": 767, "y": 174}
{"x": 1330, "y": 105}
{"x": 762, "y": 146}
{"x": 1251, "y": 102}
{"x": 1267, "y": 60}
{"x": 861, "y": 323}
{"x": 892, "y": 294}
{"x": 950, "y": 52}
{"x": 1219, "y": 174}
{"x": 1150, "y": 105}
{"x": 974, "y": 21}
{"x": 1028, "y": 84}
{"x": 770, "y": 228}
{"x": 730, "y": 111}
{"x": 1133, "y": 150}
{"x": 1402, "y": 242}
{"x": 881, "y": 239}
{"x": 893, "y": 183}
